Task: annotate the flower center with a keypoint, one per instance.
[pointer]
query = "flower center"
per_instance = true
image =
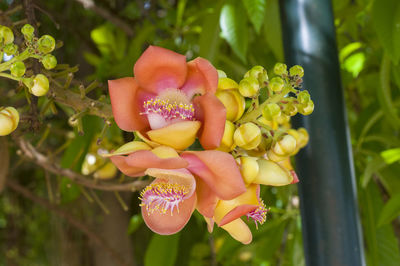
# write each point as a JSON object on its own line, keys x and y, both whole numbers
{"x": 169, "y": 110}
{"x": 162, "y": 197}
{"x": 259, "y": 215}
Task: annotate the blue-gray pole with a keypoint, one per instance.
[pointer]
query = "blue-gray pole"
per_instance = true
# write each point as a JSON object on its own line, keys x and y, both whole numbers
{"x": 330, "y": 222}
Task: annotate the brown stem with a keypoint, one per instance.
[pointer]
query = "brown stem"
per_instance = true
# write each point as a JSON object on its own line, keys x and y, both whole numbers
{"x": 31, "y": 153}
{"x": 70, "y": 219}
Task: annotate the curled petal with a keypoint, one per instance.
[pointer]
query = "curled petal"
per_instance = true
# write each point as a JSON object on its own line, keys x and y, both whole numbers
{"x": 211, "y": 112}
{"x": 210, "y": 224}
{"x": 126, "y": 104}
{"x": 125, "y": 168}
{"x": 206, "y": 199}
{"x": 167, "y": 224}
{"x": 148, "y": 159}
{"x": 218, "y": 170}
{"x": 202, "y": 77}
{"x": 159, "y": 68}
{"x": 239, "y": 231}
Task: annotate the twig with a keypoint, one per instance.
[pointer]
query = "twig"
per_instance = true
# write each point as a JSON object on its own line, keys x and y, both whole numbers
{"x": 89, "y": 4}
{"x": 31, "y": 153}
{"x": 70, "y": 219}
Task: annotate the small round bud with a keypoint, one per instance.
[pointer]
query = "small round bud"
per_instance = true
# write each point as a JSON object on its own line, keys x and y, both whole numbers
{"x": 271, "y": 111}
{"x": 247, "y": 136}
{"x": 49, "y": 61}
{"x": 6, "y": 35}
{"x": 46, "y": 44}
{"x": 18, "y": 69}
{"x": 248, "y": 168}
{"x": 259, "y": 73}
{"x": 276, "y": 84}
{"x": 221, "y": 74}
{"x": 10, "y": 49}
{"x": 249, "y": 87}
{"x": 9, "y": 119}
{"x": 290, "y": 109}
{"x": 40, "y": 85}
{"x": 280, "y": 69}
{"x": 296, "y": 71}
{"x": 27, "y": 30}
{"x": 282, "y": 119}
{"x": 227, "y": 143}
{"x": 303, "y": 97}
{"x": 306, "y": 109}
{"x": 285, "y": 146}
{"x": 303, "y": 137}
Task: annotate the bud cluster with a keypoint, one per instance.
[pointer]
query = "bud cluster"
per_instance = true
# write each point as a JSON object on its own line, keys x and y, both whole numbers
{"x": 260, "y": 136}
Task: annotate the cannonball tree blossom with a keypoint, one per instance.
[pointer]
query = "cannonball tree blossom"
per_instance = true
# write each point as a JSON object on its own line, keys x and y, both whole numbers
{"x": 170, "y": 101}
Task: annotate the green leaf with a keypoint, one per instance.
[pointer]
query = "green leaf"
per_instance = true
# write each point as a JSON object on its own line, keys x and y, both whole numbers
{"x": 386, "y": 20}
{"x": 162, "y": 250}
{"x": 134, "y": 223}
{"x": 390, "y": 156}
{"x": 372, "y": 167}
{"x": 209, "y": 38}
{"x": 255, "y": 11}
{"x": 390, "y": 211}
{"x": 354, "y": 63}
{"x": 234, "y": 28}
{"x": 272, "y": 29}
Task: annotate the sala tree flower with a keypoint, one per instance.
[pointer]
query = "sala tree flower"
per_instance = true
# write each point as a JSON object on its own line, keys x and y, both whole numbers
{"x": 170, "y": 101}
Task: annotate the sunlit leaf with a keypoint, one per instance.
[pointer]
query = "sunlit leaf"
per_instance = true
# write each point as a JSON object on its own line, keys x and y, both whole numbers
{"x": 391, "y": 155}
{"x": 162, "y": 250}
{"x": 255, "y": 11}
{"x": 354, "y": 63}
{"x": 390, "y": 211}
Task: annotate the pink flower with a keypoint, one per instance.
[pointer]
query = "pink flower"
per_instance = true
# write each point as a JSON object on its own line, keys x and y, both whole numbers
{"x": 170, "y": 101}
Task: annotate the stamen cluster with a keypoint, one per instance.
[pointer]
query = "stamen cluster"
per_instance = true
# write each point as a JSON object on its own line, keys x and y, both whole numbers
{"x": 168, "y": 110}
{"x": 259, "y": 215}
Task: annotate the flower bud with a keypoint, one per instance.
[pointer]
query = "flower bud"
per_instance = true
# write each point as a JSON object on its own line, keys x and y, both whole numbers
{"x": 9, "y": 119}
{"x": 271, "y": 111}
{"x": 49, "y": 61}
{"x": 248, "y": 168}
{"x": 304, "y": 137}
{"x": 227, "y": 84}
{"x": 282, "y": 119}
{"x": 249, "y": 87}
{"x": 247, "y": 136}
{"x": 27, "y": 30}
{"x": 280, "y": 69}
{"x": 18, "y": 69}
{"x": 276, "y": 84}
{"x": 259, "y": 73}
{"x": 96, "y": 165}
{"x": 271, "y": 123}
{"x": 6, "y": 35}
{"x": 296, "y": 71}
{"x": 46, "y": 44}
{"x": 227, "y": 143}
{"x": 221, "y": 74}
{"x": 303, "y": 97}
{"x": 10, "y": 49}
{"x": 285, "y": 146}
{"x": 290, "y": 109}
{"x": 229, "y": 96}
{"x": 40, "y": 85}
{"x": 306, "y": 109}
{"x": 270, "y": 173}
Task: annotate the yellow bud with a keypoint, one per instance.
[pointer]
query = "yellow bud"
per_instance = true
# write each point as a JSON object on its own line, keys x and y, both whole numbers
{"x": 276, "y": 84}
{"x": 108, "y": 171}
{"x": 221, "y": 74}
{"x": 248, "y": 168}
{"x": 9, "y": 119}
{"x": 249, "y": 87}
{"x": 40, "y": 85}
{"x": 227, "y": 143}
{"x": 282, "y": 119}
{"x": 271, "y": 111}
{"x": 270, "y": 173}
{"x": 234, "y": 103}
{"x": 285, "y": 146}
{"x": 6, "y": 35}
{"x": 304, "y": 137}
{"x": 247, "y": 136}
{"x": 128, "y": 148}
{"x": 307, "y": 108}
{"x": 272, "y": 124}
{"x": 227, "y": 84}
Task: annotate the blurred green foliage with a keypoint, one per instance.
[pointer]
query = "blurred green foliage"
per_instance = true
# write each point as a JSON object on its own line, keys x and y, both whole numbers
{"x": 234, "y": 35}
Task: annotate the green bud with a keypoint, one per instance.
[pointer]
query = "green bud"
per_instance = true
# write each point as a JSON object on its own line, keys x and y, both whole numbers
{"x": 49, "y": 61}
{"x": 271, "y": 111}
{"x": 10, "y": 49}
{"x": 276, "y": 84}
{"x": 46, "y": 44}
{"x": 40, "y": 85}
{"x": 6, "y": 35}
{"x": 290, "y": 109}
{"x": 259, "y": 73}
{"x": 303, "y": 97}
{"x": 296, "y": 71}
{"x": 280, "y": 69}
{"x": 28, "y": 31}
{"x": 306, "y": 109}
{"x": 249, "y": 87}
{"x": 18, "y": 69}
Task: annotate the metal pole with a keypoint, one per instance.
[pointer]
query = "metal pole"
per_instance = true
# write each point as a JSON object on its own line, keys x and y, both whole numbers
{"x": 330, "y": 222}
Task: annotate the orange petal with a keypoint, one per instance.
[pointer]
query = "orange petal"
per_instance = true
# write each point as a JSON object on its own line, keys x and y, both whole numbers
{"x": 239, "y": 231}
{"x": 167, "y": 224}
{"x": 125, "y": 168}
{"x": 202, "y": 77}
{"x": 211, "y": 112}
{"x": 147, "y": 159}
{"x": 206, "y": 199}
{"x": 159, "y": 68}
{"x": 126, "y": 104}
{"x": 178, "y": 135}
{"x": 218, "y": 170}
